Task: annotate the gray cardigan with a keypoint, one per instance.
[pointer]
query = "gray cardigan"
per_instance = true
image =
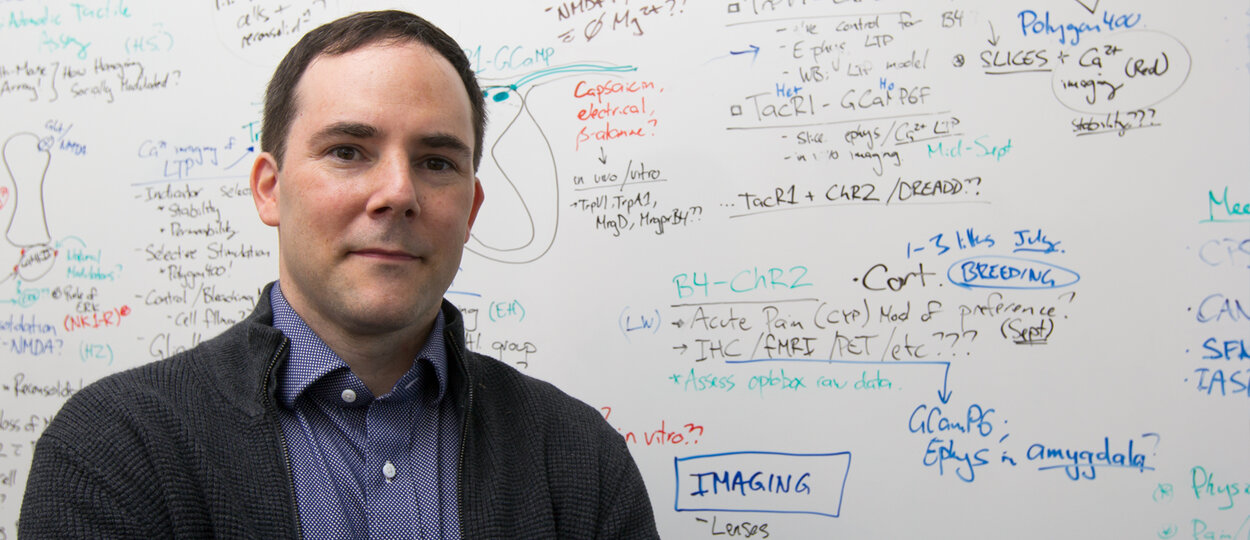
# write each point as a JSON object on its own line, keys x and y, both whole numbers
{"x": 191, "y": 447}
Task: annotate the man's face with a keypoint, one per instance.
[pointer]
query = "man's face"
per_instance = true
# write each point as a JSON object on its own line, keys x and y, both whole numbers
{"x": 377, "y": 193}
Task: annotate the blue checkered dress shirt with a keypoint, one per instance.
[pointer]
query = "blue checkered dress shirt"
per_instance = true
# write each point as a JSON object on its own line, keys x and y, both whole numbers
{"x": 366, "y": 466}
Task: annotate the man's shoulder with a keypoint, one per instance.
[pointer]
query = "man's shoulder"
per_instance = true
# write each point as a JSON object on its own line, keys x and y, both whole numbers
{"x": 194, "y": 383}
{"x": 515, "y": 405}
{"x": 508, "y": 386}
{"x": 161, "y": 438}
{"x": 559, "y": 462}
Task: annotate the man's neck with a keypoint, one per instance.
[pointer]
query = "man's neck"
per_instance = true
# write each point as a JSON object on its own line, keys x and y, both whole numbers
{"x": 377, "y": 359}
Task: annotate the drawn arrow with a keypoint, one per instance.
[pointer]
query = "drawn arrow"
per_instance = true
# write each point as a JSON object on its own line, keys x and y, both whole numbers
{"x": 1089, "y": 8}
{"x": 994, "y": 37}
{"x": 754, "y": 51}
{"x": 250, "y": 149}
{"x": 944, "y": 395}
{"x": 603, "y": 156}
{"x": 682, "y": 348}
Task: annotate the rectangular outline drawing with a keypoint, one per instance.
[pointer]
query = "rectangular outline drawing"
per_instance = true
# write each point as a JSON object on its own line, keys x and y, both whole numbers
{"x": 677, "y": 461}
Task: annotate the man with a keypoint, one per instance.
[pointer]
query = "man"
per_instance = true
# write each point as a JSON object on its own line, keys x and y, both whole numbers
{"x": 346, "y": 405}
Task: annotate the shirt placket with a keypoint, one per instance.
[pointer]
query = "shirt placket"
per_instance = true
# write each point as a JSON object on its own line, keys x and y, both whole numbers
{"x": 390, "y": 499}
{"x": 429, "y": 486}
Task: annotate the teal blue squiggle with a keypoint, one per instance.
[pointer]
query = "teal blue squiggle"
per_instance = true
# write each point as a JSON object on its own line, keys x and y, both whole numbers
{"x": 80, "y": 241}
{"x": 557, "y": 70}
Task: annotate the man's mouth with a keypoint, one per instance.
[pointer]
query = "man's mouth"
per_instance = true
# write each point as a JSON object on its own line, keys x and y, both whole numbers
{"x": 384, "y": 254}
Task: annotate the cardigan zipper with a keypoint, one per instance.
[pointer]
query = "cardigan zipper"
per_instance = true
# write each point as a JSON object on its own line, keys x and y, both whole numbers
{"x": 464, "y": 437}
{"x": 286, "y": 453}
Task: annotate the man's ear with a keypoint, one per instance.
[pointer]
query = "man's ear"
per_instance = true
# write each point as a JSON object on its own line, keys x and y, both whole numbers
{"x": 264, "y": 181}
{"x": 478, "y": 197}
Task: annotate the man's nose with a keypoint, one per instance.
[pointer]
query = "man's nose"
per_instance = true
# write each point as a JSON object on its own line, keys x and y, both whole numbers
{"x": 394, "y": 188}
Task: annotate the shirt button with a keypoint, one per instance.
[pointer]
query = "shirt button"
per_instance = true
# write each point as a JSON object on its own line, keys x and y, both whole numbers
{"x": 388, "y": 470}
{"x": 349, "y": 395}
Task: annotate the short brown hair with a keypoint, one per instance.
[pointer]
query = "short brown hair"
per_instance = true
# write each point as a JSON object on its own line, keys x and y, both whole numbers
{"x": 346, "y": 35}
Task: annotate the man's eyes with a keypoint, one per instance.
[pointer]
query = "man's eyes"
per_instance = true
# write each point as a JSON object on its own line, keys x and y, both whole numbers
{"x": 432, "y": 163}
{"x": 345, "y": 153}
{"x": 438, "y": 164}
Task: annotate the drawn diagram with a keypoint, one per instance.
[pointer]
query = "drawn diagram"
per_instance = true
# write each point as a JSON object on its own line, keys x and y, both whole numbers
{"x": 26, "y": 160}
{"x": 525, "y": 215}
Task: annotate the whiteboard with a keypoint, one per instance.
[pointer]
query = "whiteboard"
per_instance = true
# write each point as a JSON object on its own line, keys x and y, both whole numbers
{"x": 959, "y": 269}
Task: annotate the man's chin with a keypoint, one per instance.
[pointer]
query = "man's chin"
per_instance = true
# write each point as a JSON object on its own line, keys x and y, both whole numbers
{"x": 385, "y": 316}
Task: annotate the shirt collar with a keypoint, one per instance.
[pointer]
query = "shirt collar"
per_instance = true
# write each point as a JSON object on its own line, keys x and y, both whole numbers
{"x": 314, "y": 368}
